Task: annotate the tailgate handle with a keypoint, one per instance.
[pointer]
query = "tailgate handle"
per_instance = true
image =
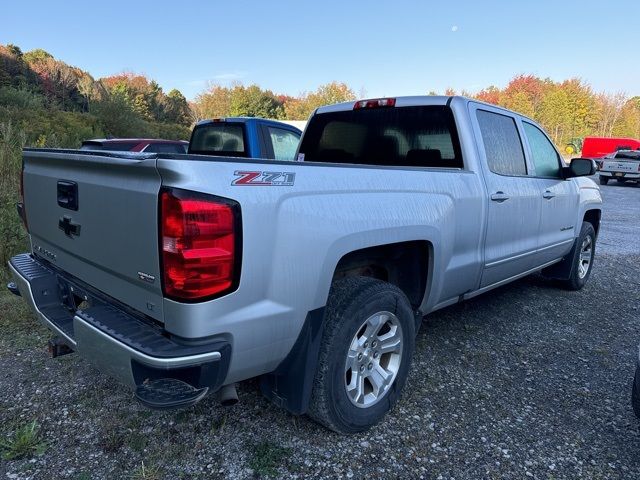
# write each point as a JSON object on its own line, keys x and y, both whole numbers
{"x": 68, "y": 194}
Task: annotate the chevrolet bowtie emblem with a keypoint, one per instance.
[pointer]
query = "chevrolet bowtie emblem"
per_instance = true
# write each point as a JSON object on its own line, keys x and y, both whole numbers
{"x": 68, "y": 227}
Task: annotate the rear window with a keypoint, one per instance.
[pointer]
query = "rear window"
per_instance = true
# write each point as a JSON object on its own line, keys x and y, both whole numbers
{"x": 423, "y": 136}
{"x": 629, "y": 155}
{"x": 218, "y": 139}
{"x": 112, "y": 146}
{"x": 166, "y": 148}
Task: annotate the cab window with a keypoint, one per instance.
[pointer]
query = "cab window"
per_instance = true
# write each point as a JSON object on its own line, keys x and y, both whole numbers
{"x": 284, "y": 143}
{"x": 543, "y": 155}
{"x": 502, "y": 144}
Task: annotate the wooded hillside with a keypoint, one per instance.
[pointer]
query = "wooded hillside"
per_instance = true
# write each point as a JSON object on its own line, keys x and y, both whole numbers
{"x": 55, "y": 104}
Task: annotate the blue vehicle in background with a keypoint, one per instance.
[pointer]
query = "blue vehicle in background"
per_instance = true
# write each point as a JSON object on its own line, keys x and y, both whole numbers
{"x": 245, "y": 137}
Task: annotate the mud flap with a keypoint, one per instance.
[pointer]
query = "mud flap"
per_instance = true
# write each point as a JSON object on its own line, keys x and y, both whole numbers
{"x": 289, "y": 385}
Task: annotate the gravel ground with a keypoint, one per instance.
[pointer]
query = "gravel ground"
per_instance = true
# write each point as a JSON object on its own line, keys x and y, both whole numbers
{"x": 528, "y": 380}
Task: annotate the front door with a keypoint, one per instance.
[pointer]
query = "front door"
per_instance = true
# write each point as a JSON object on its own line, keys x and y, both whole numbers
{"x": 560, "y": 198}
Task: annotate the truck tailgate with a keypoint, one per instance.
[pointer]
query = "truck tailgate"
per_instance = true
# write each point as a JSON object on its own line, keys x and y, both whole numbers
{"x": 95, "y": 216}
{"x": 626, "y": 166}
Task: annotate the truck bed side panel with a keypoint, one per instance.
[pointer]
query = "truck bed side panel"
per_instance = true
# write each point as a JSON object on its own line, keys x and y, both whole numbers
{"x": 294, "y": 236}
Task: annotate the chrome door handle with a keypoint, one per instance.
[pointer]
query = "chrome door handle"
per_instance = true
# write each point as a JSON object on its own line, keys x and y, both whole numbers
{"x": 548, "y": 195}
{"x": 499, "y": 197}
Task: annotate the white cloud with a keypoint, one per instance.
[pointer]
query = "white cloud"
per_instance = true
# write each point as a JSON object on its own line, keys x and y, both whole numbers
{"x": 454, "y": 28}
{"x": 224, "y": 78}
{"x": 229, "y": 76}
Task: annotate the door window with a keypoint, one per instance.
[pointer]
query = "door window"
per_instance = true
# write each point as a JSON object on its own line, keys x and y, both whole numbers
{"x": 502, "y": 143}
{"x": 284, "y": 143}
{"x": 543, "y": 154}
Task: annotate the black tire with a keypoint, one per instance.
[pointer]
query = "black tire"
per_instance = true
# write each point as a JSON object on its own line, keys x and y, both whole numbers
{"x": 604, "y": 180}
{"x": 635, "y": 393}
{"x": 352, "y": 301}
{"x": 575, "y": 280}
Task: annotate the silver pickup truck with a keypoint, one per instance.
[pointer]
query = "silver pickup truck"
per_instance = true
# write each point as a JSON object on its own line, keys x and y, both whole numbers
{"x": 183, "y": 274}
{"x": 622, "y": 165}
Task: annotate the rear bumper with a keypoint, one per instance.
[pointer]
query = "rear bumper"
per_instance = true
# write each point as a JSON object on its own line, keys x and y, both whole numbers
{"x": 625, "y": 175}
{"x": 115, "y": 340}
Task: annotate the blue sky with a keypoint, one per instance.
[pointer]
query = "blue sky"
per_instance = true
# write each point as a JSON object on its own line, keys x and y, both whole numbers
{"x": 378, "y": 48}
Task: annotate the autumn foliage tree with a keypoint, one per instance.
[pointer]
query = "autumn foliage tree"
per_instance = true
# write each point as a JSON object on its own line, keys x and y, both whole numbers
{"x": 569, "y": 109}
{"x": 35, "y": 85}
{"x": 300, "y": 108}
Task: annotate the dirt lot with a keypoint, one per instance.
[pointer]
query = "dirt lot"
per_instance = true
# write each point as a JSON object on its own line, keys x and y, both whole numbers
{"x": 528, "y": 380}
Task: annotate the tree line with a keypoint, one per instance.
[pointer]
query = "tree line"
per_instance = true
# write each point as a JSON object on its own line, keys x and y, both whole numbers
{"x": 130, "y": 104}
{"x": 568, "y": 110}
{"x": 55, "y": 104}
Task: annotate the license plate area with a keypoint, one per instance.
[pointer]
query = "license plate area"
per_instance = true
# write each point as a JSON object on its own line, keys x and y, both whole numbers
{"x": 74, "y": 297}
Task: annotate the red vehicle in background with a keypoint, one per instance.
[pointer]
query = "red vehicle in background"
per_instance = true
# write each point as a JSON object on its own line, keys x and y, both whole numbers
{"x": 598, "y": 147}
{"x": 149, "y": 145}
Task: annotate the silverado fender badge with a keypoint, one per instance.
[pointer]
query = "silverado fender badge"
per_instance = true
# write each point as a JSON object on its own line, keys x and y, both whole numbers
{"x": 268, "y": 179}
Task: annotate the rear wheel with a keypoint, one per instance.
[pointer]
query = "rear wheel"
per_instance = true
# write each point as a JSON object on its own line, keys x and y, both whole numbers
{"x": 604, "y": 180}
{"x": 368, "y": 341}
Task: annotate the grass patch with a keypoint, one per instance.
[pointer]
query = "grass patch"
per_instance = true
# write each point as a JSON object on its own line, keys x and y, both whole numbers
{"x": 25, "y": 442}
{"x": 18, "y": 326}
{"x": 218, "y": 424}
{"x": 147, "y": 472}
{"x": 266, "y": 458}
{"x": 136, "y": 442}
{"x": 111, "y": 439}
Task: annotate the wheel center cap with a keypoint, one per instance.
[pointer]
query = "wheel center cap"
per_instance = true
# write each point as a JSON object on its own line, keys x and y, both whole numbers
{"x": 367, "y": 356}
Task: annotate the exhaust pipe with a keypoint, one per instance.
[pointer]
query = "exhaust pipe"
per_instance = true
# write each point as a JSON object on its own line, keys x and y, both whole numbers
{"x": 228, "y": 396}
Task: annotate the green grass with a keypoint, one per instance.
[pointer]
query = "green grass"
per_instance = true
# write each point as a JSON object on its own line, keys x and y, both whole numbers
{"x": 147, "y": 472}
{"x": 266, "y": 458}
{"x": 111, "y": 439}
{"x": 12, "y": 234}
{"x": 18, "y": 326}
{"x": 136, "y": 442}
{"x": 25, "y": 442}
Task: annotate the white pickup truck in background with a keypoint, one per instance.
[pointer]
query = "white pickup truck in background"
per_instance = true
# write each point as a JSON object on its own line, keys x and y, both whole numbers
{"x": 622, "y": 166}
{"x": 183, "y": 274}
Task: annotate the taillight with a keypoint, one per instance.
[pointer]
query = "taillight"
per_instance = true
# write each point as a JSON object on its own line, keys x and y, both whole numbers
{"x": 375, "y": 103}
{"x": 200, "y": 237}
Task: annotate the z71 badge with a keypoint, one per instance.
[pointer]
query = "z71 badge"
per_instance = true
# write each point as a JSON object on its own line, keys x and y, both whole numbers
{"x": 258, "y": 179}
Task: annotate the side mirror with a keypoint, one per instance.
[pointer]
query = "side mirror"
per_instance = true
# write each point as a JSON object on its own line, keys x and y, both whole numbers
{"x": 581, "y": 167}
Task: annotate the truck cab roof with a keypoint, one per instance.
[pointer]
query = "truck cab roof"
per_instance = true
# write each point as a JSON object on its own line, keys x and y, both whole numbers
{"x": 245, "y": 120}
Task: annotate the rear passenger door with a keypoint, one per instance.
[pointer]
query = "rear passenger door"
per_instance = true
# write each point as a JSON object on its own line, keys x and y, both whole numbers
{"x": 514, "y": 200}
{"x": 560, "y": 198}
